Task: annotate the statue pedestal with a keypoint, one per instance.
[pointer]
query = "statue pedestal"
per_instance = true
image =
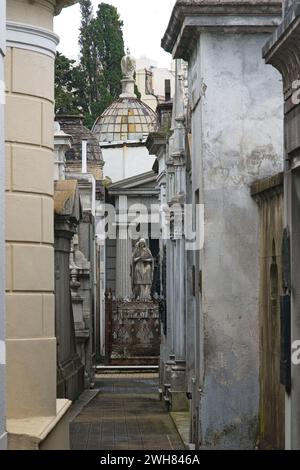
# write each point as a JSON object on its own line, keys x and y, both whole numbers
{"x": 135, "y": 333}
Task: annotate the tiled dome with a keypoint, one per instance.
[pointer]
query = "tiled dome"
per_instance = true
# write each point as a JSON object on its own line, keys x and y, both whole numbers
{"x": 126, "y": 119}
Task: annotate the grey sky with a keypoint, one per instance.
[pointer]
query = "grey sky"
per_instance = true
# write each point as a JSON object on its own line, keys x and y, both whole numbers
{"x": 145, "y": 22}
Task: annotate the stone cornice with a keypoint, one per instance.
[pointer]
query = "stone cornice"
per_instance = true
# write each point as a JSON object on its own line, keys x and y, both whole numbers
{"x": 283, "y": 51}
{"x": 24, "y": 36}
{"x": 267, "y": 188}
{"x": 189, "y": 17}
{"x": 60, "y": 4}
{"x": 155, "y": 141}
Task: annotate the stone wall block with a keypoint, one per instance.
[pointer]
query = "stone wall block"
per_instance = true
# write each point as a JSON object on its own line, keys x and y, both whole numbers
{"x": 33, "y": 268}
{"x": 31, "y": 168}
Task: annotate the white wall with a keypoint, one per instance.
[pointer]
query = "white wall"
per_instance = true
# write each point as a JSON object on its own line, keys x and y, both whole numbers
{"x": 159, "y": 75}
{"x": 2, "y": 263}
{"x": 124, "y": 162}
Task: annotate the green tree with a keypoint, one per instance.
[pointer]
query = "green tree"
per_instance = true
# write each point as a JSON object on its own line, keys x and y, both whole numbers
{"x": 101, "y": 50}
{"x": 67, "y": 83}
{"x": 88, "y": 60}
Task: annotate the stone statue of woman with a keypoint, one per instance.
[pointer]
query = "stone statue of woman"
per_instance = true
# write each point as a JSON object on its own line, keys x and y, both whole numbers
{"x": 142, "y": 271}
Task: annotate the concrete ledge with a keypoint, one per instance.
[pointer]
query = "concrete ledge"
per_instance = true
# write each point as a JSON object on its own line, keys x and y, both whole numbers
{"x": 39, "y": 432}
{"x": 178, "y": 400}
{"x": 181, "y": 420}
{"x": 268, "y": 185}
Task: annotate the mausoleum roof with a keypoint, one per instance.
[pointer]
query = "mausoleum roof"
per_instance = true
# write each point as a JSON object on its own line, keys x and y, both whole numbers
{"x": 73, "y": 125}
{"x": 126, "y": 119}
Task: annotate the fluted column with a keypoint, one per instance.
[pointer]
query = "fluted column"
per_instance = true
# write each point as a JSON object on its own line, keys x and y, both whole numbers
{"x": 123, "y": 263}
{"x": 124, "y": 252}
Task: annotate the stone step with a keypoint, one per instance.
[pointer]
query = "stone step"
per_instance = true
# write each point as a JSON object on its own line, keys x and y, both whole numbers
{"x": 127, "y": 369}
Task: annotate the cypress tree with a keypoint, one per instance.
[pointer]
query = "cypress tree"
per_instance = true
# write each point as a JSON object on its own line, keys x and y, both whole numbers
{"x": 102, "y": 48}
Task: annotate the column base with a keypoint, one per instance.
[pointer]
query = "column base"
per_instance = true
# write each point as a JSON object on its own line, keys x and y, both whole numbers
{"x": 167, "y": 373}
{"x": 178, "y": 401}
{"x": 3, "y": 441}
{"x": 177, "y": 392}
{"x": 41, "y": 433}
{"x": 70, "y": 378}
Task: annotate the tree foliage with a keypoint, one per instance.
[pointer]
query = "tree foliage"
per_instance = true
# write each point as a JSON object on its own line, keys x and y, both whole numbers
{"x": 101, "y": 48}
{"x": 90, "y": 86}
{"x": 67, "y": 83}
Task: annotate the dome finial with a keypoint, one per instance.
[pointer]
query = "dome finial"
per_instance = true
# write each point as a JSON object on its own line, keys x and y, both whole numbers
{"x": 128, "y": 65}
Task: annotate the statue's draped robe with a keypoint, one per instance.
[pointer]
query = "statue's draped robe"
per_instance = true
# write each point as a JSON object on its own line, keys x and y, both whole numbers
{"x": 142, "y": 273}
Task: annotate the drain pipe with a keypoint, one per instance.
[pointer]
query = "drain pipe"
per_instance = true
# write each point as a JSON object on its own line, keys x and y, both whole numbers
{"x": 84, "y": 157}
{"x": 85, "y": 176}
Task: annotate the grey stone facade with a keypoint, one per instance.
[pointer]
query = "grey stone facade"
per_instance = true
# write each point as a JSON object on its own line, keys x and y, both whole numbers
{"x": 282, "y": 51}
{"x": 228, "y": 136}
{"x": 70, "y": 369}
{"x": 268, "y": 194}
{"x": 88, "y": 296}
{"x": 2, "y": 264}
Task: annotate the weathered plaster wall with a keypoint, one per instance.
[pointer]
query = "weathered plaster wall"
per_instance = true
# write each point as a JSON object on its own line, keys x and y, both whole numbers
{"x": 268, "y": 193}
{"x": 2, "y": 252}
{"x": 237, "y": 137}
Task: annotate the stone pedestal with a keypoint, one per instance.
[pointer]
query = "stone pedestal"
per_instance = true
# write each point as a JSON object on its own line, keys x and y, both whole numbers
{"x": 135, "y": 333}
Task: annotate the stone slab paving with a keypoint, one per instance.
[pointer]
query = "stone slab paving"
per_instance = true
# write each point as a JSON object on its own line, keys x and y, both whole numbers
{"x": 125, "y": 415}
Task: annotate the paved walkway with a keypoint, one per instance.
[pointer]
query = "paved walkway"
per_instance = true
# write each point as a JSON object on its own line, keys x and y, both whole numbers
{"x": 125, "y": 415}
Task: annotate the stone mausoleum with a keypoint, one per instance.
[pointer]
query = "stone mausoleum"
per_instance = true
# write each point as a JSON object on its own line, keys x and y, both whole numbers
{"x": 122, "y": 131}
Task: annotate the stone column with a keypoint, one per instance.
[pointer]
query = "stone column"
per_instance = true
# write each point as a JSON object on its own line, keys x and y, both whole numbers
{"x": 123, "y": 262}
{"x": 31, "y": 342}
{"x": 177, "y": 162}
{"x": 124, "y": 253}
{"x": 178, "y": 373}
{"x": 170, "y": 356}
{"x": 2, "y": 276}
